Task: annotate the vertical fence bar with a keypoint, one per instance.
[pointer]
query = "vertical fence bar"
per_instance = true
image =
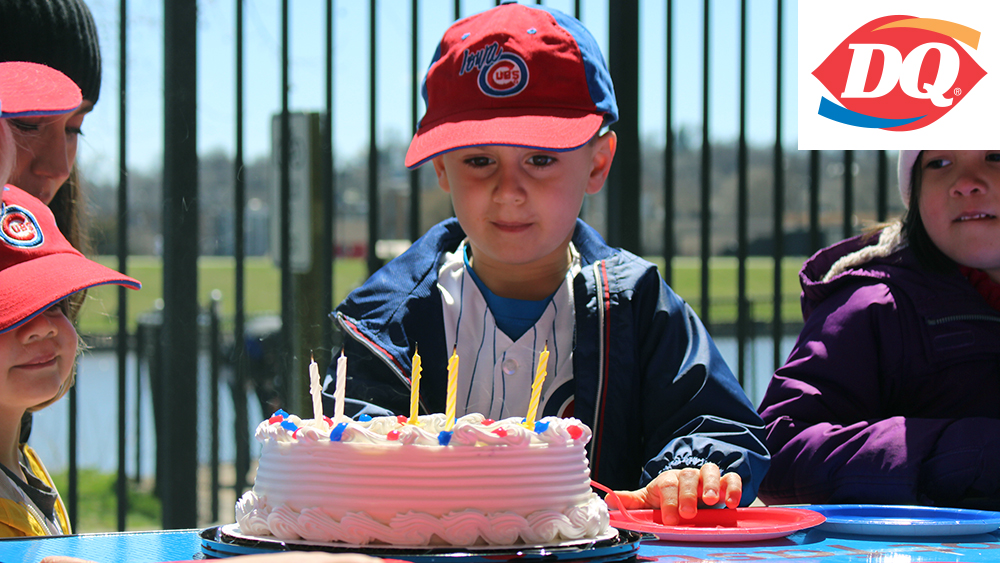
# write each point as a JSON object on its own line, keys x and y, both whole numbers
{"x": 329, "y": 188}
{"x": 815, "y": 235}
{"x": 216, "y": 364}
{"x": 72, "y": 496}
{"x": 241, "y": 421}
{"x": 180, "y": 260}
{"x": 882, "y": 189}
{"x": 706, "y": 168}
{"x": 848, "y": 194}
{"x": 415, "y": 74}
{"x": 121, "y": 490}
{"x": 140, "y": 347}
{"x": 373, "y": 193}
{"x": 742, "y": 207}
{"x": 577, "y": 10}
{"x": 777, "y": 322}
{"x": 668, "y": 155}
{"x": 287, "y": 304}
{"x": 623, "y": 195}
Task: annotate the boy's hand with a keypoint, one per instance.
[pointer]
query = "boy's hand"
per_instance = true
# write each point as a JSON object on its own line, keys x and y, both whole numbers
{"x": 676, "y": 492}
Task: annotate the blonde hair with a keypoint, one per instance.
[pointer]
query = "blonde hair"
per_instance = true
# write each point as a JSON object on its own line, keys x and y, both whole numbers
{"x": 8, "y": 152}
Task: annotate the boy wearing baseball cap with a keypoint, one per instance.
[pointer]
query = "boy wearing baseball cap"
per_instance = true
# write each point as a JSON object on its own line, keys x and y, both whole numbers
{"x": 517, "y": 101}
{"x": 39, "y": 270}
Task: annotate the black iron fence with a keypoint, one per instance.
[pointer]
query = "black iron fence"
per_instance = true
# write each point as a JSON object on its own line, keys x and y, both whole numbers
{"x": 688, "y": 193}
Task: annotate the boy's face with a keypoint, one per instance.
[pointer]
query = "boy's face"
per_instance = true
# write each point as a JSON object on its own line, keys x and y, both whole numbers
{"x": 36, "y": 358}
{"x": 519, "y": 206}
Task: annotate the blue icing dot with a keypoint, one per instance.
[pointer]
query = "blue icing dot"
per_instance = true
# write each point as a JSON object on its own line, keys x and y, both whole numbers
{"x": 541, "y": 427}
{"x": 338, "y": 432}
{"x": 290, "y": 426}
{"x": 364, "y": 417}
{"x": 280, "y": 412}
{"x": 444, "y": 437}
{"x": 532, "y": 31}
{"x": 465, "y": 36}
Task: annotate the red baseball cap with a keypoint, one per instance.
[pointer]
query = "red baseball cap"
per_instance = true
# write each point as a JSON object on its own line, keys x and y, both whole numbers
{"x": 527, "y": 76}
{"x": 32, "y": 89}
{"x": 38, "y": 266}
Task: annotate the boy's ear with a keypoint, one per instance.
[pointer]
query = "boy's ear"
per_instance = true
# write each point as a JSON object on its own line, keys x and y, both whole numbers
{"x": 603, "y": 154}
{"x": 442, "y": 174}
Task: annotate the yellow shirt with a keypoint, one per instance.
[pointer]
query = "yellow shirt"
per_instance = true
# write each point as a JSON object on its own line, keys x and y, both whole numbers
{"x": 18, "y": 514}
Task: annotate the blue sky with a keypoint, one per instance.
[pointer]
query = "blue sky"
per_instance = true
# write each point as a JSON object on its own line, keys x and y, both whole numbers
{"x": 216, "y": 32}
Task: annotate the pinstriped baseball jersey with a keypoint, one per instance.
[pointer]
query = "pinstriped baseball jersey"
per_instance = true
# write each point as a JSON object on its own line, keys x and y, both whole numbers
{"x": 495, "y": 373}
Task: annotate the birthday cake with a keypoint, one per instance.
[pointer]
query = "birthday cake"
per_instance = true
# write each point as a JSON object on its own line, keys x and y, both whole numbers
{"x": 385, "y": 481}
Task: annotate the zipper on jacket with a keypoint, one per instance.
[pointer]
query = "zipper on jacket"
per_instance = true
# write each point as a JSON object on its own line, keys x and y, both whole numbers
{"x": 955, "y": 318}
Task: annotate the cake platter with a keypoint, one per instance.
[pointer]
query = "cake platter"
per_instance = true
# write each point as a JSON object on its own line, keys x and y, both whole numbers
{"x": 228, "y": 541}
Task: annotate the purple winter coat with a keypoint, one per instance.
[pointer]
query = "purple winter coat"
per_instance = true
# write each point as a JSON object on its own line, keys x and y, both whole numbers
{"x": 892, "y": 392}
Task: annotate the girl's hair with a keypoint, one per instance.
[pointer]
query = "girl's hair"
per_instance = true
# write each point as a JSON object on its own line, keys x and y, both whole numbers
{"x": 928, "y": 254}
{"x": 69, "y": 208}
{"x": 8, "y": 152}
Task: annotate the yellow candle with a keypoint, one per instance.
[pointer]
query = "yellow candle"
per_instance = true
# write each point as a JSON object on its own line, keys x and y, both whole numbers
{"x": 452, "y": 389}
{"x": 536, "y": 387}
{"x": 338, "y": 394}
{"x": 415, "y": 388}
{"x": 315, "y": 389}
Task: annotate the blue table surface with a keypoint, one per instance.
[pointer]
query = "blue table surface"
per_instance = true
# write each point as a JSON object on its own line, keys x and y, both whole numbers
{"x": 811, "y": 546}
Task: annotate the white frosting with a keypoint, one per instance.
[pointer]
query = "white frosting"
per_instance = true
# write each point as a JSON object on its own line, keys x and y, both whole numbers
{"x": 495, "y": 483}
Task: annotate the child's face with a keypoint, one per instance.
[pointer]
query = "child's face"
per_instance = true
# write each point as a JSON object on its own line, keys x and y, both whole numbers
{"x": 36, "y": 359}
{"x": 46, "y": 151}
{"x": 519, "y": 206}
{"x": 960, "y": 206}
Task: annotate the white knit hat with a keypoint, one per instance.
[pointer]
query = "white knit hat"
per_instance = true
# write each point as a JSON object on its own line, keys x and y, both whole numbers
{"x": 905, "y": 173}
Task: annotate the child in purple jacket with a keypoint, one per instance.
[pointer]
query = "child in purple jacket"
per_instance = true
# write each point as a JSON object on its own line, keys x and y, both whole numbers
{"x": 892, "y": 392}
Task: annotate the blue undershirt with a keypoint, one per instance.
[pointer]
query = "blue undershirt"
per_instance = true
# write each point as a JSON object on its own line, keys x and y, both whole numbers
{"x": 513, "y": 316}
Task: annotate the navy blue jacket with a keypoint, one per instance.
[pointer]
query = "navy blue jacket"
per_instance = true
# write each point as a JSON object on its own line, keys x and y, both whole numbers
{"x": 649, "y": 380}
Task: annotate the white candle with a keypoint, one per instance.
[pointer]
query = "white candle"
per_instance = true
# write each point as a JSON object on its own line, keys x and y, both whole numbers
{"x": 315, "y": 389}
{"x": 338, "y": 395}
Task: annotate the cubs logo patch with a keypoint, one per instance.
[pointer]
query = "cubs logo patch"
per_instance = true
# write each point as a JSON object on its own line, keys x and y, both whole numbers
{"x": 501, "y": 73}
{"x": 18, "y": 227}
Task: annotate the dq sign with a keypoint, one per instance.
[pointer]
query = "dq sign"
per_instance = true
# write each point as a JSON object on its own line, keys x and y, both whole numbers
{"x": 899, "y": 73}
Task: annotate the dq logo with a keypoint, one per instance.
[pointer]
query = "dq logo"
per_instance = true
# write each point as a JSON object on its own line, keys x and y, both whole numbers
{"x": 18, "y": 227}
{"x": 899, "y": 73}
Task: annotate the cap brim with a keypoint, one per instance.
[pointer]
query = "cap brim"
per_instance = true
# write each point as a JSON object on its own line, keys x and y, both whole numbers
{"x": 555, "y": 132}
{"x": 31, "y": 287}
{"x": 31, "y": 89}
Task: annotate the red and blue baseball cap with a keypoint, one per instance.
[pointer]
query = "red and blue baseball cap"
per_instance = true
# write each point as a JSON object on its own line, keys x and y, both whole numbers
{"x": 527, "y": 76}
{"x": 32, "y": 89}
{"x": 38, "y": 266}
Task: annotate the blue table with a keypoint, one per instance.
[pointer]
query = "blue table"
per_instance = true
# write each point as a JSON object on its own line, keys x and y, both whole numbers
{"x": 806, "y": 547}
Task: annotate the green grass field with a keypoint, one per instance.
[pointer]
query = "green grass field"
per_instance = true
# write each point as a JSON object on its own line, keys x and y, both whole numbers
{"x": 263, "y": 287}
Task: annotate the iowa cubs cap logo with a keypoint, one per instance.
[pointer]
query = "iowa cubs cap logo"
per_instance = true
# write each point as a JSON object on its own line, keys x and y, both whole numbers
{"x": 501, "y": 73}
{"x": 18, "y": 227}
{"x": 899, "y": 73}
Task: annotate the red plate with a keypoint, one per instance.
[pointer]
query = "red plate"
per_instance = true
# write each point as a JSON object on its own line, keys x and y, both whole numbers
{"x": 722, "y": 525}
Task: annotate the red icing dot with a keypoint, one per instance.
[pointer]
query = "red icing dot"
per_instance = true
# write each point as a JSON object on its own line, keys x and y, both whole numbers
{"x": 328, "y": 420}
{"x": 488, "y": 421}
{"x": 500, "y": 432}
{"x": 392, "y": 435}
{"x": 402, "y": 419}
{"x": 295, "y": 434}
{"x": 275, "y": 419}
{"x": 575, "y": 431}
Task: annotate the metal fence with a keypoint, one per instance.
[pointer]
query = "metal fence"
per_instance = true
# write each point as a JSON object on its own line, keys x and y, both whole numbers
{"x": 819, "y": 178}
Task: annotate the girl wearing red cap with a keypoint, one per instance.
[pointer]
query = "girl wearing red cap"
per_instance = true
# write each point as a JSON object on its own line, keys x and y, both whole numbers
{"x": 39, "y": 271}
{"x": 891, "y": 393}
